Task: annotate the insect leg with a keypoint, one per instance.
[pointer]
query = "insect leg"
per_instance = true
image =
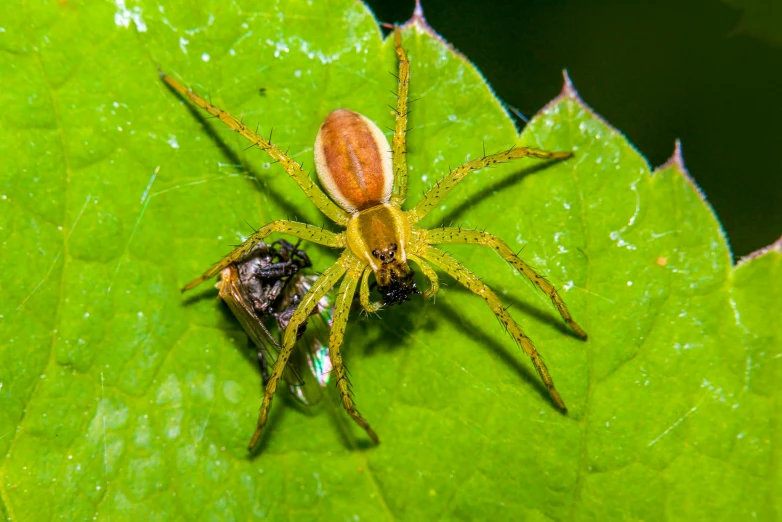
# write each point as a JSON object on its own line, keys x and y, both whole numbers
{"x": 341, "y": 311}
{"x": 278, "y": 270}
{"x": 291, "y": 254}
{"x": 308, "y": 303}
{"x": 474, "y": 237}
{"x": 284, "y": 249}
{"x": 303, "y": 258}
{"x": 467, "y": 279}
{"x": 264, "y": 368}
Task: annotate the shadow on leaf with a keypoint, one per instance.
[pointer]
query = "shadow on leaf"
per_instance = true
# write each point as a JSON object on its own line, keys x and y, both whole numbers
{"x": 458, "y": 212}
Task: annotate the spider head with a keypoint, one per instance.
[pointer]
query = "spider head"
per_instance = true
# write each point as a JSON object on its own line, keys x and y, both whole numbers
{"x": 379, "y": 236}
{"x": 395, "y": 282}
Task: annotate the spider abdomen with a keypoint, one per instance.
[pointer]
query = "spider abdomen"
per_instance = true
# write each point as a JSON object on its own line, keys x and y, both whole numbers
{"x": 353, "y": 160}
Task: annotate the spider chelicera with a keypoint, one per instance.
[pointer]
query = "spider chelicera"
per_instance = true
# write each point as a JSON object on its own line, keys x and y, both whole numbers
{"x": 367, "y": 183}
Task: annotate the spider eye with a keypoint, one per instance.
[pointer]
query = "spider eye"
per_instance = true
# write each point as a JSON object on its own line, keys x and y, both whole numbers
{"x": 387, "y": 255}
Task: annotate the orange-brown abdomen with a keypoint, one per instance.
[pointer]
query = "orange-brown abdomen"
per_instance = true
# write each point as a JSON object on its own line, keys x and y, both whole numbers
{"x": 353, "y": 160}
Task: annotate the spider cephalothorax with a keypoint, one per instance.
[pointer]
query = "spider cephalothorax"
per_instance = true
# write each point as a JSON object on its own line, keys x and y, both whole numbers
{"x": 368, "y": 181}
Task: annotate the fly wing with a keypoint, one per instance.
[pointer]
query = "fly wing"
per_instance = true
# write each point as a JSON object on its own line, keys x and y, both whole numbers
{"x": 316, "y": 337}
{"x": 310, "y": 359}
{"x": 264, "y": 341}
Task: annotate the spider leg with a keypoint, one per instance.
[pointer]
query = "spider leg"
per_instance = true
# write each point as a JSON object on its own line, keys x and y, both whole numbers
{"x": 302, "y": 230}
{"x": 308, "y": 303}
{"x": 434, "y": 282}
{"x": 294, "y": 170}
{"x": 341, "y": 311}
{"x": 399, "y": 147}
{"x": 441, "y": 189}
{"x": 370, "y": 307}
{"x": 467, "y": 279}
{"x": 474, "y": 237}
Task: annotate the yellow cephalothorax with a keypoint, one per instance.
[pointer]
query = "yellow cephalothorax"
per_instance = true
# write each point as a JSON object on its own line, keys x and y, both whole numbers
{"x": 368, "y": 181}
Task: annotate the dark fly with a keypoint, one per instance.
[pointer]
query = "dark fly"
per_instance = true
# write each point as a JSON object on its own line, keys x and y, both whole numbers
{"x": 262, "y": 290}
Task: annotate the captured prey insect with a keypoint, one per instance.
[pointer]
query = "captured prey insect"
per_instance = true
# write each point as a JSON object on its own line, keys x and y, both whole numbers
{"x": 367, "y": 184}
{"x": 263, "y": 290}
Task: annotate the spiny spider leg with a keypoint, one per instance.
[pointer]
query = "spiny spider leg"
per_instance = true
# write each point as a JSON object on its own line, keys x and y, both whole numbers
{"x": 322, "y": 285}
{"x": 434, "y": 282}
{"x": 399, "y": 146}
{"x": 341, "y": 311}
{"x": 467, "y": 279}
{"x": 313, "y": 192}
{"x": 366, "y": 304}
{"x": 441, "y": 189}
{"x": 474, "y": 237}
{"x": 301, "y": 230}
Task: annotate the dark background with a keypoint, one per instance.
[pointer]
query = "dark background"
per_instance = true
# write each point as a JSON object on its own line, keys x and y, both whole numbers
{"x": 699, "y": 70}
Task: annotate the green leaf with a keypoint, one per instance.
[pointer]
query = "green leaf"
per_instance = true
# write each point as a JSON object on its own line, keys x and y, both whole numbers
{"x": 122, "y": 399}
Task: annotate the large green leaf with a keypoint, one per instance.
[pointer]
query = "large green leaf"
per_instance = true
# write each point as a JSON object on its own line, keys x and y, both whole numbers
{"x": 120, "y": 399}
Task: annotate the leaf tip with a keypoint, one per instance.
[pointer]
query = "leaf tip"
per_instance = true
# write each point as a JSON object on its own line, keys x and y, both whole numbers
{"x": 570, "y": 94}
{"x": 568, "y": 90}
{"x": 417, "y": 19}
{"x": 776, "y": 246}
{"x": 676, "y": 161}
{"x": 418, "y": 12}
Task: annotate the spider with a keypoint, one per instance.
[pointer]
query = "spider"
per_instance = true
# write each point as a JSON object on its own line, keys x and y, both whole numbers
{"x": 367, "y": 185}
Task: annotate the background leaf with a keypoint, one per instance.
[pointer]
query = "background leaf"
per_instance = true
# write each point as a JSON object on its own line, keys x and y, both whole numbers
{"x": 121, "y": 399}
